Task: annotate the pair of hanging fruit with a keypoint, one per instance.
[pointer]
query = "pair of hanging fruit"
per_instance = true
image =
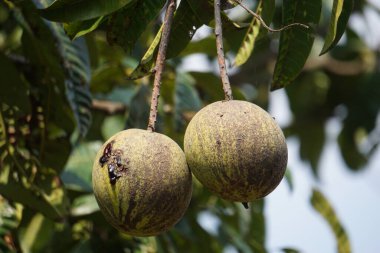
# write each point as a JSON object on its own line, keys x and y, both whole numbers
{"x": 141, "y": 178}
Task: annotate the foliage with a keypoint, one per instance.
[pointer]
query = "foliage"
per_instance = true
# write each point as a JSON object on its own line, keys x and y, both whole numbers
{"x": 60, "y": 99}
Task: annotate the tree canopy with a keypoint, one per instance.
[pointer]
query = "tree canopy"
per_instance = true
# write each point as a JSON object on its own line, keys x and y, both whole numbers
{"x": 74, "y": 72}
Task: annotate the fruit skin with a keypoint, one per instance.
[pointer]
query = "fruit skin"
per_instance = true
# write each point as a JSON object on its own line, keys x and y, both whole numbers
{"x": 153, "y": 186}
{"x": 236, "y": 150}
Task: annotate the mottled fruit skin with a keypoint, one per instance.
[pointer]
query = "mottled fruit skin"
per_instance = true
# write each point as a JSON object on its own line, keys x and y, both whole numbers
{"x": 236, "y": 150}
{"x": 141, "y": 182}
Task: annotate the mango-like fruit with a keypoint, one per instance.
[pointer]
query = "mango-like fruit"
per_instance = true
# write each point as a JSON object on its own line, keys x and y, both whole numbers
{"x": 236, "y": 150}
{"x": 141, "y": 182}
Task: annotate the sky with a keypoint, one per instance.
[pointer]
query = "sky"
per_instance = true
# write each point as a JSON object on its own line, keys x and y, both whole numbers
{"x": 291, "y": 221}
{"x": 355, "y": 197}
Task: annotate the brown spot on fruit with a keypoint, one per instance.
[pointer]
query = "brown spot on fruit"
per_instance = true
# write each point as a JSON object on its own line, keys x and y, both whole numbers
{"x": 241, "y": 156}
{"x": 142, "y": 192}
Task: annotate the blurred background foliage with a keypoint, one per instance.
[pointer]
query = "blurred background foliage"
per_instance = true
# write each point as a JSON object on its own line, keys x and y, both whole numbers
{"x": 67, "y": 87}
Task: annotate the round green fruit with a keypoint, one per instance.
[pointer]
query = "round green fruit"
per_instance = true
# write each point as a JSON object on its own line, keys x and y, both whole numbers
{"x": 236, "y": 150}
{"x": 141, "y": 182}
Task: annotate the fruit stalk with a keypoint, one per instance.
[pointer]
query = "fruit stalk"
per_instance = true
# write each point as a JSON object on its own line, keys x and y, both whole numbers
{"x": 220, "y": 52}
{"x": 161, "y": 56}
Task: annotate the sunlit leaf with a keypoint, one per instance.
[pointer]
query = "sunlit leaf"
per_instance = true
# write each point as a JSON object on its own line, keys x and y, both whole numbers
{"x": 79, "y": 28}
{"x": 266, "y": 10}
{"x": 36, "y": 234}
{"x": 190, "y": 15}
{"x": 84, "y": 205}
{"x": 340, "y": 14}
{"x": 51, "y": 203}
{"x": 324, "y": 208}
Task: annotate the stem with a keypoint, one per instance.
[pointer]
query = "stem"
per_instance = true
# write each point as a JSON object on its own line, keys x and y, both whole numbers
{"x": 220, "y": 52}
{"x": 161, "y": 56}
{"x": 263, "y": 22}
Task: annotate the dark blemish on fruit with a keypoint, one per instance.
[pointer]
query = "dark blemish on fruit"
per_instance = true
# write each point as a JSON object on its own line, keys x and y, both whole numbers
{"x": 106, "y": 154}
{"x": 108, "y": 149}
{"x": 218, "y": 142}
{"x": 103, "y": 160}
{"x": 245, "y": 204}
{"x": 112, "y": 173}
{"x": 118, "y": 161}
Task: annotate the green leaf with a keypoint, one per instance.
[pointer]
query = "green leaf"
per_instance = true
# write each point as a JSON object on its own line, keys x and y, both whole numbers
{"x": 349, "y": 149}
{"x": 204, "y": 46}
{"x": 77, "y": 173}
{"x": 266, "y": 10}
{"x": 112, "y": 125}
{"x": 51, "y": 203}
{"x": 139, "y": 108}
{"x": 323, "y": 207}
{"x": 13, "y": 88}
{"x": 289, "y": 179}
{"x": 84, "y": 205}
{"x": 295, "y": 42}
{"x": 76, "y": 66}
{"x": 210, "y": 87}
{"x": 133, "y": 21}
{"x": 79, "y": 28}
{"x": 78, "y": 10}
{"x": 257, "y": 230}
{"x": 36, "y": 234}
{"x": 190, "y": 15}
{"x": 340, "y": 14}
{"x": 290, "y": 250}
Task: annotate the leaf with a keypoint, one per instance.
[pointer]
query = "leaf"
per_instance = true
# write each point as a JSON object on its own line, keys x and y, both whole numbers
{"x": 139, "y": 109}
{"x": 295, "y": 42}
{"x": 13, "y": 88}
{"x": 190, "y": 15}
{"x": 205, "y": 46}
{"x": 50, "y": 203}
{"x": 76, "y": 66}
{"x": 79, "y": 28}
{"x": 112, "y": 125}
{"x": 77, "y": 173}
{"x": 9, "y": 220}
{"x": 265, "y": 8}
{"x": 78, "y": 10}
{"x": 133, "y": 21}
{"x": 210, "y": 87}
{"x": 289, "y": 179}
{"x": 290, "y": 250}
{"x": 84, "y": 205}
{"x": 349, "y": 149}
{"x": 257, "y": 231}
{"x": 340, "y": 14}
{"x": 35, "y": 234}
{"x": 323, "y": 207}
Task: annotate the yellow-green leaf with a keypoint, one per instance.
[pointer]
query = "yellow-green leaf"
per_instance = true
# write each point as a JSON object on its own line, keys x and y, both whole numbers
{"x": 323, "y": 207}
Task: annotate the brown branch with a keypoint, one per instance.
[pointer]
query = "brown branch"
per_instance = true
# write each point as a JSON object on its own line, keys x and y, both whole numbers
{"x": 257, "y": 16}
{"x": 161, "y": 56}
{"x": 220, "y": 52}
{"x": 109, "y": 107}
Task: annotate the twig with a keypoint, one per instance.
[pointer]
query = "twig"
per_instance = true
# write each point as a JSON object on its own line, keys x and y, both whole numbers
{"x": 161, "y": 56}
{"x": 220, "y": 52}
{"x": 257, "y": 16}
